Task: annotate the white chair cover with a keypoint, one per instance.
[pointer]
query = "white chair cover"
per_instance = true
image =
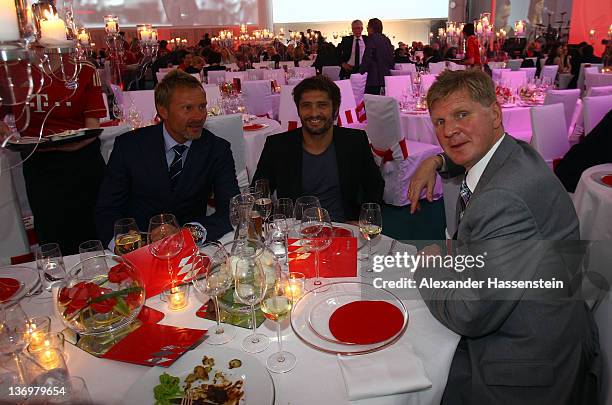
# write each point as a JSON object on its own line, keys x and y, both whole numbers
{"x": 549, "y": 136}
{"x": 396, "y": 72}
{"x": 593, "y": 80}
{"x": 143, "y": 100}
{"x": 287, "y": 111}
{"x": 569, "y": 98}
{"x": 397, "y": 157}
{"x": 358, "y": 81}
{"x": 530, "y": 72}
{"x": 255, "y": 74}
{"x": 437, "y": 67}
{"x": 13, "y": 240}
{"x": 397, "y": 86}
{"x": 305, "y": 71}
{"x": 261, "y": 65}
{"x": 105, "y": 99}
{"x": 213, "y": 94}
{"x": 455, "y": 66}
{"x": 595, "y": 108}
{"x": 243, "y": 76}
{"x": 229, "y": 127}
{"x": 275, "y": 74}
{"x": 410, "y": 67}
{"x": 496, "y": 73}
{"x": 599, "y": 91}
{"x": 426, "y": 82}
{"x": 542, "y": 61}
{"x": 514, "y": 79}
{"x": 496, "y": 65}
{"x": 257, "y": 97}
{"x": 514, "y": 64}
{"x": 580, "y": 82}
{"x": 347, "y": 116}
{"x": 160, "y": 75}
{"x": 286, "y": 65}
{"x": 216, "y": 76}
{"x": 332, "y": 72}
{"x": 549, "y": 72}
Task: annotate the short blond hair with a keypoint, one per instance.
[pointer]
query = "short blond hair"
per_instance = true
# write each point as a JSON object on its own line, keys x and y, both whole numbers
{"x": 176, "y": 78}
{"x": 477, "y": 83}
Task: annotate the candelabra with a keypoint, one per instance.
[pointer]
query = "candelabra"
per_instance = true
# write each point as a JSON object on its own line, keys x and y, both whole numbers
{"x": 147, "y": 39}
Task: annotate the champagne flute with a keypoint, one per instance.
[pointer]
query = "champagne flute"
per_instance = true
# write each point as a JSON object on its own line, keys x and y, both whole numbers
{"x": 276, "y": 306}
{"x": 127, "y": 236}
{"x": 263, "y": 204}
{"x": 213, "y": 259}
{"x": 50, "y": 263}
{"x": 370, "y": 226}
{"x": 250, "y": 287}
{"x": 165, "y": 237}
{"x": 316, "y": 231}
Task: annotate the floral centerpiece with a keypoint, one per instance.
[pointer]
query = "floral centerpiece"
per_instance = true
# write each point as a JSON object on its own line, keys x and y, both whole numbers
{"x": 504, "y": 94}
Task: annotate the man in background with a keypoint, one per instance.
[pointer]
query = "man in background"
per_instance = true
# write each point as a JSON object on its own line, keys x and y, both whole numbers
{"x": 351, "y": 50}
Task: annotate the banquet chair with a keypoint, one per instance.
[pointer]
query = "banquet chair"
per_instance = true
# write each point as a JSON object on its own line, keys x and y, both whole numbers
{"x": 261, "y": 65}
{"x": 242, "y": 76}
{"x": 305, "y": 63}
{"x": 569, "y": 98}
{"x": 410, "y": 67}
{"x": 105, "y": 99}
{"x": 257, "y": 97}
{"x": 397, "y": 86}
{"x": 255, "y": 74}
{"x": 399, "y": 72}
{"x": 397, "y": 157}
{"x": 332, "y": 72}
{"x": 549, "y": 136}
{"x": 358, "y": 81}
{"x": 426, "y": 82}
{"x": 275, "y": 74}
{"x": 287, "y": 111}
{"x": 229, "y": 127}
{"x": 514, "y": 79}
{"x": 595, "y": 108}
{"x": 530, "y": 72}
{"x": 347, "y": 114}
{"x": 496, "y": 65}
{"x": 213, "y": 94}
{"x": 216, "y": 76}
{"x": 13, "y": 239}
{"x": 583, "y": 66}
{"x": 592, "y": 80}
{"x": 549, "y": 72}
{"x": 306, "y": 71}
{"x": 437, "y": 67}
{"x": 542, "y": 62}
{"x": 599, "y": 91}
{"x": 286, "y": 65}
{"x": 514, "y": 64}
{"x": 143, "y": 101}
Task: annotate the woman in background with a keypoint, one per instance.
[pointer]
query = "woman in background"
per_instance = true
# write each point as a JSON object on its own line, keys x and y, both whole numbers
{"x": 472, "y": 48}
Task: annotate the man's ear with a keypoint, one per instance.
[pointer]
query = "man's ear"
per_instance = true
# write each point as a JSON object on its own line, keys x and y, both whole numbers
{"x": 497, "y": 115}
{"x": 162, "y": 112}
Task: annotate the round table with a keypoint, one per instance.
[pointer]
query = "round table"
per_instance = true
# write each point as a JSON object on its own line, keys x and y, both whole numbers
{"x": 593, "y": 202}
{"x": 417, "y": 126}
{"x": 255, "y": 140}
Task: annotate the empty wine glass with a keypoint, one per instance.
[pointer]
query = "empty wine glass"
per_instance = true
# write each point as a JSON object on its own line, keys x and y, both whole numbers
{"x": 213, "y": 259}
{"x": 50, "y": 263}
{"x": 316, "y": 231}
{"x": 302, "y": 204}
{"x": 250, "y": 285}
{"x": 165, "y": 236}
{"x": 276, "y": 306}
{"x": 370, "y": 225}
{"x": 284, "y": 206}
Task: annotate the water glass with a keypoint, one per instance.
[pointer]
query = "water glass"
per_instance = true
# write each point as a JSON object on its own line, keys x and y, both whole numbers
{"x": 50, "y": 263}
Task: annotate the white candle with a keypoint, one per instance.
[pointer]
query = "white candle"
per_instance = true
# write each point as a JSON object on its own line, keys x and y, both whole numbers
{"x": 53, "y": 29}
{"x": 9, "y": 28}
{"x": 145, "y": 35}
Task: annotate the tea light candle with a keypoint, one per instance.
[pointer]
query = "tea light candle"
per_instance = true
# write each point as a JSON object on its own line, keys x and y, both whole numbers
{"x": 36, "y": 339}
{"x": 50, "y": 359}
{"x": 9, "y": 28}
{"x": 296, "y": 286}
{"x": 53, "y": 28}
{"x": 178, "y": 299}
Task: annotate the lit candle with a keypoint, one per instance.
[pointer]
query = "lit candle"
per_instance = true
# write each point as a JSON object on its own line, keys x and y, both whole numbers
{"x": 111, "y": 24}
{"x": 154, "y": 35}
{"x": 53, "y": 28}
{"x": 592, "y": 32}
{"x": 295, "y": 290}
{"x": 479, "y": 27}
{"x": 83, "y": 38}
{"x": 519, "y": 27}
{"x": 177, "y": 299}
{"x": 36, "y": 339}
{"x": 49, "y": 359}
{"x": 9, "y": 27}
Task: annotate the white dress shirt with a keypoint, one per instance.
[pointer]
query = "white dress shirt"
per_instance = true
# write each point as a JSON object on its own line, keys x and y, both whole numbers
{"x": 475, "y": 173}
{"x": 351, "y": 61}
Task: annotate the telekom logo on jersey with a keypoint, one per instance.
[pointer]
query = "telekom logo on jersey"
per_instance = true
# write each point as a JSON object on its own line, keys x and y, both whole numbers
{"x": 42, "y": 100}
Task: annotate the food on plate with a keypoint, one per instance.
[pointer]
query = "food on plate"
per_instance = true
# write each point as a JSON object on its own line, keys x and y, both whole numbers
{"x": 167, "y": 390}
{"x": 235, "y": 363}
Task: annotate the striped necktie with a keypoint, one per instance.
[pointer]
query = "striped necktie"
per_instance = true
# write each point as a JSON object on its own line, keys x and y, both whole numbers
{"x": 464, "y": 197}
{"x": 176, "y": 167}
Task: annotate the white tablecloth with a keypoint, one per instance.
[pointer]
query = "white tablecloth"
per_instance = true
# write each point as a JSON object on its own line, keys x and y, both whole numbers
{"x": 316, "y": 379}
{"x": 418, "y": 127}
{"x": 107, "y": 139}
{"x": 255, "y": 140}
{"x": 593, "y": 202}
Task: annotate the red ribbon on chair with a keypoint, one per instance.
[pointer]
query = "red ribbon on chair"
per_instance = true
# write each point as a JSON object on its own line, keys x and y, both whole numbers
{"x": 361, "y": 112}
{"x": 349, "y": 116}
{"x": 292, "y": 125}
{"x": 399, "y": 151}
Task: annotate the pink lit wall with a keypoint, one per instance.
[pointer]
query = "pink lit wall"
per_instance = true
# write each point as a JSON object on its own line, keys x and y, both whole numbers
{"x": 587, "y": 15}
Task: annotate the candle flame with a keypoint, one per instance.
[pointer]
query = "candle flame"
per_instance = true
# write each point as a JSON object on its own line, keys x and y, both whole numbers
{"x": 50, "y": 16}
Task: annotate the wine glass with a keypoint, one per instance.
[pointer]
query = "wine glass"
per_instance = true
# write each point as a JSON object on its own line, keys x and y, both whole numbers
{"x": 370, "y": 226}
{"x": 255, "y": 219}
{"x": 127, "y": 236}
{"x": 277, "y": 236}
{"x": 94, "y": 251}
{"x": 263, "y": 204}
{"x": 316, "y": 231}
{"x": 284, "y": 206}
{"x": 276, "y": 306}
{"x": 50, "y": 263}
{"x": 213, "y": 259}
{"x": 241, "y": 206}
{"x": 165, "y": 237}
{"x": 302, "y": 204}
{"x": 250, "y": 287}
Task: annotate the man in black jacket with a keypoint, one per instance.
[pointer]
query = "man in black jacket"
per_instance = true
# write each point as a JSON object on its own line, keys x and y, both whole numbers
{"x": 332, "y": 163}
{"x": 351, "y": 50}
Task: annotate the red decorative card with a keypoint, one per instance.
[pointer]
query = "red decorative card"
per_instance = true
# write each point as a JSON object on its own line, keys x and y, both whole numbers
{"x": 337, "y": 260}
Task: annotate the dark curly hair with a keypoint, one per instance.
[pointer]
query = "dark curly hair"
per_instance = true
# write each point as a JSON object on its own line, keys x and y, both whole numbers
{"x": 321, "y": 83}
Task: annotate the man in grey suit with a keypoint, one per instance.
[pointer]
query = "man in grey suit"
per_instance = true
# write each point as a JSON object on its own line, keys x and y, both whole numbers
{"x": 518, "y": 345}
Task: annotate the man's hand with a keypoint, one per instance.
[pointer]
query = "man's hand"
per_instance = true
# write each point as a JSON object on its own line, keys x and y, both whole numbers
{"x": 423, "y": 177}
{"x": 347, "y": 67}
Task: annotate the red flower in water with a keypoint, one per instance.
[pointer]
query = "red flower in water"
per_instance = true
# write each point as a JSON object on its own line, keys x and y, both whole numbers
{"x": 101, "y": 306}
{"x": 75, "y": 297}
{"x": 119, "y": 273}
{"x": 133, "y": 299}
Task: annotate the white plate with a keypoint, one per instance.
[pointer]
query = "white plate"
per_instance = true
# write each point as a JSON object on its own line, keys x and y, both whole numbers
{"x": 258, "y": 385}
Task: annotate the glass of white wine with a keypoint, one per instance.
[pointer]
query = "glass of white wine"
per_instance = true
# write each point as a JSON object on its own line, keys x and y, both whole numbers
{"x": 276, "y": 306}
{"x": 370, "y": 226}
{"x": 127, "y": 236}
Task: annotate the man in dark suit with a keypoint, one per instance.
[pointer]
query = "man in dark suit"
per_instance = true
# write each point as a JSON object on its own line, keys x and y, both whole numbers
{"x": 351, "y": 50}
{"x": 173, "y": 167}
{"x": 519, "y": 345}
{"x": 332, "y": 163}
{"x": 377, "y": 58}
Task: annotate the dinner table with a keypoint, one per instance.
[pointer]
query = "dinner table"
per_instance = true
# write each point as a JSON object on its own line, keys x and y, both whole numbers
{"x": 593, "y": 202}
{"x": 317, "y": 377}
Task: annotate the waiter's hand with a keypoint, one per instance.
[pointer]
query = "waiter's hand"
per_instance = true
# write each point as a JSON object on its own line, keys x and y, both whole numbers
{"x": 74, "y": 146}
{"x": 423, "y": 178}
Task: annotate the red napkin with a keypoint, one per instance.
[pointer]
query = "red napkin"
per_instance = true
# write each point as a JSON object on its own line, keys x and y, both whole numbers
{"x": 150, "y": 315}
{"x": 366, "y": 322}
{"x": 607, "y": 179}
{"x": 8, "y": 288}
{"x": 338, "y": 260}
{"x": 252, "y": 127}
{"x": 112, "y": 123}
{"x": 155, "y": 345}
{"x": 156, "y": 273}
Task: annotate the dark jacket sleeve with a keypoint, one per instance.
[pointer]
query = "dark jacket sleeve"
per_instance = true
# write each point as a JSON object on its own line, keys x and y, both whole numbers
{"x": 113, "y": 197}
{"x": 225, "y": 186}
{"x": 372, "y": 182}
{"x": 265, "y": 166}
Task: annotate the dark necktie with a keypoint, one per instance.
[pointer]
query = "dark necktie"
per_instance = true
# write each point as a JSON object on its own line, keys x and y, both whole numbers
{"x": 464, "y": 198}
{"x": 357, "y": 53}
{"x": 176, "y": 167}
